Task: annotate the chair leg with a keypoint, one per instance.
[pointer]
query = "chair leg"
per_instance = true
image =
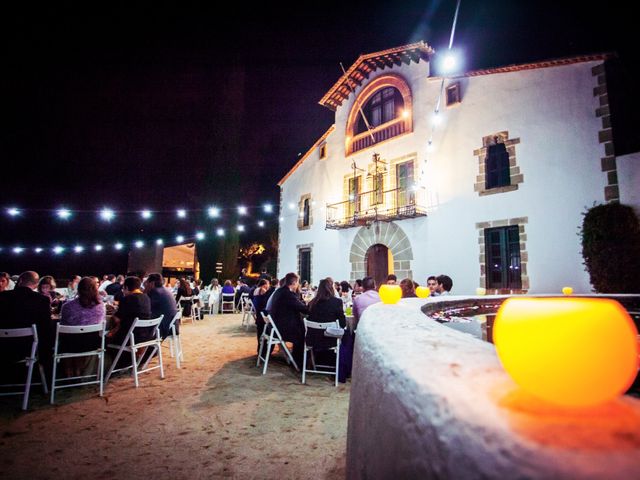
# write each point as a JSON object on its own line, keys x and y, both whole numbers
{"x": 266, "y": 356}
{"x": 260, "y": 351}
{"x": 178, "y": 350}
{"x": 113, "y": 366}
{"x": 134, "y": 364}
{"x": 101, "y": 372}
{"x": 304, "y": 364}
{"x": 337, "y": 361}
{"x": 171, "y": 345}
{"x": 27, "y": 387}
{"x": 159, "y": 350}
{"x": 53, "y": 379}
{"x": 43, "y": 379}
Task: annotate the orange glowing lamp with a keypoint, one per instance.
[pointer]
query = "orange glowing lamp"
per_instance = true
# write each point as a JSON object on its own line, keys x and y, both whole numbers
{"x": 423, "y": 292}
{"x": 390, "y": 294}
{"x": 567, "y": 290}
{"x": 569, "y": 351}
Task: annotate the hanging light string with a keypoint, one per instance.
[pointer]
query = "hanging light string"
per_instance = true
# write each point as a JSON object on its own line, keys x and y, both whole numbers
{"x": 441, "y": 91}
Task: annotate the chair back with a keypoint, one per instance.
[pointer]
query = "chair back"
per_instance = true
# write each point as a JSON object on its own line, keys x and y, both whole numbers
{"x": 23, "y": 333}
{"x": 176, "y": 317}
{"x": 152, "y": 322}
{"x": 79, "y": 329}
{"x": 320, "y": 326}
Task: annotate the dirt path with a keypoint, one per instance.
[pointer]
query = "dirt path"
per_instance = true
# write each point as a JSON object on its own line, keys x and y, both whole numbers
{"x": 215, "y": 417}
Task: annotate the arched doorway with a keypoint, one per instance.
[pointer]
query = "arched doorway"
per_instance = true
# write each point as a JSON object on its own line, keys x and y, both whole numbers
{"x": 377, "y": 259}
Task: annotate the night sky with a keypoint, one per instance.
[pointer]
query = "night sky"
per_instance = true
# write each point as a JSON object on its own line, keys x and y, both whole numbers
{"x": 167, "y": 106}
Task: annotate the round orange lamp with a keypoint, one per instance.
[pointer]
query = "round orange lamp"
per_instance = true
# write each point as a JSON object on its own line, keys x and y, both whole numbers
{"x": 423, "y": 292}
{"x": 390, "y": 294}
{"x": 567, "y": 290}
{"x": 568, "y": 351}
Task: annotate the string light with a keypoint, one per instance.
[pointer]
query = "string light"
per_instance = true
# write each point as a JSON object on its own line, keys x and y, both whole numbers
{"x": 18, "y": 250}
{"x": 261, "y": 223}
{"x": 241, "y": 228}
{"x": 13, "y": 211}
{"x": 119, "y": 246}
{"x": 38, "y": 249}
{"x": 268, "y": 208}
{"x": 146, "y": 214}
{"x": 200, "y": 236}
{"x": 58, "y": 249}
{"x": 220, "y": 232}
{"x": 78, "y": 249}
{"x": 98, "y": 248}
{"x": 139, "y": 244}
{"x": 180, "y": 239}
{"x": 159, "y": 241}
{"x": 182, "y": 213}
{"x": 64, "y": 213}
{"x": 213, "y": 212}
{"x": 242, "y": 210}
{"x": 107, "y": 214}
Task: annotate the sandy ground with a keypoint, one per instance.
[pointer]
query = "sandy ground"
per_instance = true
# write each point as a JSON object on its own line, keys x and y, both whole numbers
{"x": 215, "y": 417}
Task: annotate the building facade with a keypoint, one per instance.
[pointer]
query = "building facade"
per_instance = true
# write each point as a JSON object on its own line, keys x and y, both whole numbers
{"x": 482, "y": 176}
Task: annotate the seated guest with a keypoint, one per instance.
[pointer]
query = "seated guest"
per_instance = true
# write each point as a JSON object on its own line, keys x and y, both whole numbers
{"x": 135, "y": 304}
{"x": 357, "y": 287}
{"x": 286, "y": 311}
{"x": 367, "y": 298}
{"x": 391, "y": 279}
{"x": 4, "y": 281}
{"x": 47, "y": 287}
{"x": 115, "y": 289}
{"x": 325, "y": 307}
{"x": 445, "y": 284}
{"x": 86, "y": 309}
{"x": 432, "y": 284}
{"x": 275, "y": 285}
{"x": 20, "y": 308}
{"x": 184, "y": 290}
{"x": 162, "y": 303}
{"x": 260, "y": 298}
{"x": 72, "y": 287}
{"x": 408, "y": 288}
{"x": 228, "y": 287}
{"x": 242, "y": 288}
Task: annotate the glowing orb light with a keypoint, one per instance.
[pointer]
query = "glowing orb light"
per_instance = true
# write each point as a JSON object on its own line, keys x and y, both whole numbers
{"x": 567, "y": 290}
{"x": 569, "y": 351}
{"x": 390, "y": 294}
{"x": 423, "y": 292}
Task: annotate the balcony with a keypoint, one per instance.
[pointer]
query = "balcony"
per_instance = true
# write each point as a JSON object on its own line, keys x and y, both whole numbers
{"x": 381, "y": 133}
{"x": 374, "y": 206}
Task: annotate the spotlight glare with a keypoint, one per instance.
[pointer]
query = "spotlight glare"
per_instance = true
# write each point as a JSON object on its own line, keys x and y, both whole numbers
{"x": 146, "y": 214}
{"x": 242, "y": 210}
{"x": 200, "y": 236}
{"x": 180, "y": 239}
{"x": 213, "y": 212}
{"x": 182, "y": 213}
{"x": 64, "y": 213}
{"x": 107, "y": 214}
{"x": 220, "y": 232}
{"x": 268, "y": 208}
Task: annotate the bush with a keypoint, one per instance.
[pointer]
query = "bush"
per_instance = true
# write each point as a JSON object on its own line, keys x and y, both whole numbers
{"x": 611, "y": 248}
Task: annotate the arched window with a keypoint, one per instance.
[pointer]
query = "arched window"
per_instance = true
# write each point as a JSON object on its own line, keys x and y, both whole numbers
{"x": 383, "y": 106}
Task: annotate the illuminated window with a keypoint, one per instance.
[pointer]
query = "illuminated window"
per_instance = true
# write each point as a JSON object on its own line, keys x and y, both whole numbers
{"x": 383, "y": 106}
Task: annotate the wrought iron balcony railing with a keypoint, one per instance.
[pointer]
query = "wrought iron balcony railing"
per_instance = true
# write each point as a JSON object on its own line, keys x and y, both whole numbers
{"x": 380, "y": 134}
{"x": 374, "y": 206}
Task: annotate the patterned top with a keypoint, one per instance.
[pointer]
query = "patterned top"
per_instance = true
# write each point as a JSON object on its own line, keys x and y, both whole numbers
{"x": 75, "y": 314}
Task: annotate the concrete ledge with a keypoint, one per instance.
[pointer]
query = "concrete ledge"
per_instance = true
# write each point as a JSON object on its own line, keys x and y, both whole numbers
{"x": 431, "y": 402}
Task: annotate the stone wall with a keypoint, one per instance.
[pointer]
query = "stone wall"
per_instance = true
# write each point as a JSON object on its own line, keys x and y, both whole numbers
{"x": 431, "y": 402}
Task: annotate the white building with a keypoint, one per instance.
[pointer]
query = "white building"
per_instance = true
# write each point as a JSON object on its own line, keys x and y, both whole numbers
{"x": 496, "y": 198}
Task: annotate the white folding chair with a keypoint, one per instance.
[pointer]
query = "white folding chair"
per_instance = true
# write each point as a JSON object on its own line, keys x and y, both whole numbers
{"x": 308, "y": 324}
{"x": 188, "y": 301}
{"x": 272, "y": 336}
{"x": 214, "y": 302}
{"x": 129, "y": 345}
{"x": 228, "y": 303}
{"x": 174, "y": 339}
{"x": 29, "y": 362}
{"x": 248, "y": 311}
{"x": 196, "y": 309}
{"x": 58, "y": 355}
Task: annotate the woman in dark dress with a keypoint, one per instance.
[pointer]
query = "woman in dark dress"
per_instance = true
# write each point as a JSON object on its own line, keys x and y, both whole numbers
{"x": 184, "y": 290}
{"x": 325, "y": 307}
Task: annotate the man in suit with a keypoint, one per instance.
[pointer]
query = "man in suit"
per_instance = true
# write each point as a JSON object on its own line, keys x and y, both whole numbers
{"x": 286, "y": 310}
{"x": 21, "y": 308}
